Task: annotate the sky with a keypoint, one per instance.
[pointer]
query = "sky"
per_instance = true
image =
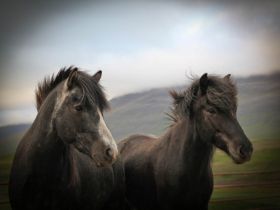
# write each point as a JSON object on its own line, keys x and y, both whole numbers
{"x": 138, "y": 45}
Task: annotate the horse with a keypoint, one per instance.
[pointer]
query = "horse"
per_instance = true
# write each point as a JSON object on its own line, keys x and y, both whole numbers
{"x": 174, "y": 171}
{"x": 68, "y": 158}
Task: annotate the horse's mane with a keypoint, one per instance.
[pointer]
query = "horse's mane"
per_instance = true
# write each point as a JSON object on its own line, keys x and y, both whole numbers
{"x": 92, "y": 90}
{"x": 49, "y": 83}
{"x": 221, "y": 93}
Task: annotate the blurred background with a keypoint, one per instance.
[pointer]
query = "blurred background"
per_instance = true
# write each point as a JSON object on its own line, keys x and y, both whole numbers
{"x": 146, "y": 48}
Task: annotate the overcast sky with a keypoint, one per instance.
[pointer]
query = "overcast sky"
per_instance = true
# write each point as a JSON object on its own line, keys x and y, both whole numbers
{"x": 138, "y": 44}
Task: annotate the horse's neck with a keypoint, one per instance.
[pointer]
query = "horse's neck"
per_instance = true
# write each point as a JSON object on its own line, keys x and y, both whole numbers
{"x": 55, "y": 158}
{"x": 45, "y": 144}
{"x": 194, "y": 155}
{"x": 42, "y": 124}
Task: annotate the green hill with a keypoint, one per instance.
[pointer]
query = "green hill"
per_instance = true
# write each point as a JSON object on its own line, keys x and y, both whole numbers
{"x": 10, "y": 136}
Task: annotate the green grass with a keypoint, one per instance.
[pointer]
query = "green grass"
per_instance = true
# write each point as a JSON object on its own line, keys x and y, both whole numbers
{"x": 266, "y": 157}
{"x": 5, "y": 166}
{"x": 267, "y": 204}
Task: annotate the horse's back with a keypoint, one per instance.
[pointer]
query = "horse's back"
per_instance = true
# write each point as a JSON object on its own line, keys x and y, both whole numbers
{"x": 137, "y": 150}
{"x": 136, "y": 140}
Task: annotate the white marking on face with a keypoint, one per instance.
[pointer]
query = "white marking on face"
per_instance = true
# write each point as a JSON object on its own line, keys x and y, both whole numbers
{"x": 61, "y": 96}
{"x": 105, "y": 133}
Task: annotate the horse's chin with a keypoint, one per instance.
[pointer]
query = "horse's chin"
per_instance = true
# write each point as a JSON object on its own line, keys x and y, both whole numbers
{"x": 237, "y": 157}
{"x": 239, "y": 160}
{"x": 100, "y": 163}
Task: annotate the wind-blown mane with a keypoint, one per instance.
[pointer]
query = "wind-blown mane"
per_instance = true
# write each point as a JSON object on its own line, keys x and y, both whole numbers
{"x": 49, "y": 83}
{"x": 92, "y": 90}
{"x": 221, "y": 92}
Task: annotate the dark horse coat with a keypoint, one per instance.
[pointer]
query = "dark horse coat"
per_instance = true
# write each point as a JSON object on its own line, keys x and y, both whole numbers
{"x": 174, "y": 171}
{"x": 58, "y": 162}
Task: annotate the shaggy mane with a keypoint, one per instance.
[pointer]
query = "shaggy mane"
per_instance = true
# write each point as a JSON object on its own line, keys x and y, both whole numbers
{"x": 93, "y": 91}
{"x": 49, "y": 83}
{"x": 221, "y": 93}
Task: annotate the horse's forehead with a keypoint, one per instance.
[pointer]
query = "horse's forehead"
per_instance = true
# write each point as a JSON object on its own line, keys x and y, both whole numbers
{"x": 228, "y": 105}
{"x": 225, "y": 100}
{"x": 61, "y": 96}
{"x": 75, "y": 90}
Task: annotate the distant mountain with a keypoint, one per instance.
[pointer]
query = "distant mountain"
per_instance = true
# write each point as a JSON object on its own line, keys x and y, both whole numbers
{"x": 259, "y": 103}
{"x": 10, "y": 135}
{"x": 7, "y": 130}
{"x": 144, "y": 112}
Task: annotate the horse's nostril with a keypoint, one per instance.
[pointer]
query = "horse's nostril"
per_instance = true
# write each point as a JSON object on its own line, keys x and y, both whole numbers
{"x": 242, "y": 151}
{"x": 109, "y": 153}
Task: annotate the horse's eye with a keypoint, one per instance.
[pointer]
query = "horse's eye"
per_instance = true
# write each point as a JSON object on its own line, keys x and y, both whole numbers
{"x": 211, "y": 110}
{"x": 79, "y": 108}
{"x": 76, "y": 98}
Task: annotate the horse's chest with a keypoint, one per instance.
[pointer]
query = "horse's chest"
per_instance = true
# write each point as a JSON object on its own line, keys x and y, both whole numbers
{"x": 81, "y": 187}
{"x": 95, "y": 185}
{"x": 185, "y": 191}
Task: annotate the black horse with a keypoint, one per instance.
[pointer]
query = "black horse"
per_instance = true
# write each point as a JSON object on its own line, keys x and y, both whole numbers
{"x": 174, "y": 170}
{"x": 65, "y": 159}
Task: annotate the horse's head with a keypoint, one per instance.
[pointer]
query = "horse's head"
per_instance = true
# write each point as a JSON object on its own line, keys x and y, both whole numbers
{"x": 78, "y": 117}
{"x": 211, "y": 104}
{"x": 215, "y": 107}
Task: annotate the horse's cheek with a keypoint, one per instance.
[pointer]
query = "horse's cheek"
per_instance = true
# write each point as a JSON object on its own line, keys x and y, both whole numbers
{"x": 65, "y": 128}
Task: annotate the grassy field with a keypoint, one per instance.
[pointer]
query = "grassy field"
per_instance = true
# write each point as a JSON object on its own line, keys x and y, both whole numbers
{"x": 263, "y": 191}
{"x": 236, "y": 186}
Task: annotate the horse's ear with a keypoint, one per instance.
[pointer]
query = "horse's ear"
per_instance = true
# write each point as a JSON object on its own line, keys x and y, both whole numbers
{"x": 203, "y": 83}
{"x": 71, "y": 78}
{"x": 97, "y": 76}
{"x": 227, "y": 77}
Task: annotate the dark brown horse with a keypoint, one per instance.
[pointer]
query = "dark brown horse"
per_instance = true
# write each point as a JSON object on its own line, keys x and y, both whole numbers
{"x": 174, "y": 170}
{"x": 65, "y": 159}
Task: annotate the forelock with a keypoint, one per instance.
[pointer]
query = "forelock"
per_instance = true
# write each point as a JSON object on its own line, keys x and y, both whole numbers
{"x": 222, "y": 93}
{"x": 92, "y": 90}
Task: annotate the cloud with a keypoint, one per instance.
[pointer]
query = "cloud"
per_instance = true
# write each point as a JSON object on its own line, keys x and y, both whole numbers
{"x": 138, "y": 44}
{"x": 18, "y": 115}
